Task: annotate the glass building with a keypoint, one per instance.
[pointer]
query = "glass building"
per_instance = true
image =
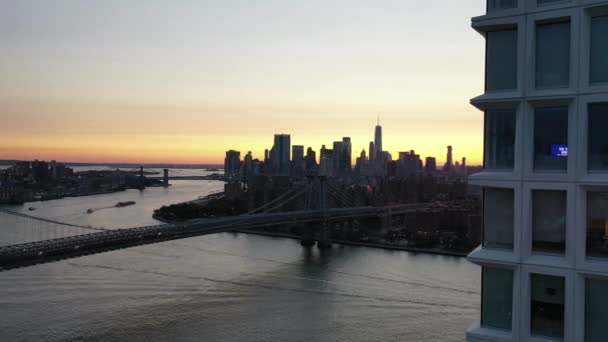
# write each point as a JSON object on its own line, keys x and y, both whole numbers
{"x": 544, "y": 251}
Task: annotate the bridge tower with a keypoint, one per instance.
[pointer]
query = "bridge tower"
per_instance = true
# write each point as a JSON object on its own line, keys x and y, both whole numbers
{"x": 325, "y": 232}
{"x": 308, "y": 236}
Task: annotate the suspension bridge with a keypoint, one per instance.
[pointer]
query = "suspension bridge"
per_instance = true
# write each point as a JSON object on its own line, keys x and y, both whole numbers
{"x": 56, "y": 240}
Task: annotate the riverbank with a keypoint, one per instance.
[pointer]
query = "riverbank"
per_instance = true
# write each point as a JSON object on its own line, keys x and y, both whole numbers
{"x": 342, "y": 242}
{"x": 363, "y": 244}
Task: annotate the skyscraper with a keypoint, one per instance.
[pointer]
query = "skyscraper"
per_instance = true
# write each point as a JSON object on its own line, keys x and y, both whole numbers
{"x": 544, "y": 256}
{"x": 326, "y": 162}
{"x": 247, "y": 168}
{"x": 430, "y": 165}
{"x": 378, "y": 141}
{"x": 297, "y": 161}
{"x": 338, "y": 158}
{"x": 347, "y": 159}
{"x": 311, "y": 158}
{"x": 448, "y": 160}
{"x": 281, "y": 151}
{"x": 372, "y": 151}
{"x": 232, "y": 164}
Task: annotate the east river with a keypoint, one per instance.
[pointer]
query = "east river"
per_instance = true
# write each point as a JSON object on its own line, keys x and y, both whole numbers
{"x": 226, "y": 287}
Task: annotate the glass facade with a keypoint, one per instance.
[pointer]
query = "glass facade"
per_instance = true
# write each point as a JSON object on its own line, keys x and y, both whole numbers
{"x": 597, "y": 224}
{"x": 597, "y": 144}
{"x": 549, "y": 221}
{"x": 499, "y": 150}
{"x": 494, "y": 5}
{"x": 547, "y": 305}
{"x": 551, "y": 139}
{"x": 496, "y": 298}
{"x": 552, "y": 219}
{"x": 596, "y": 310}
{"x": 598, "y": 67}
{"x": 549, "y": 2}
{"x": 553, "y": 55}
{"x": 501, "y": 60}
{"x": 498, "y": 218}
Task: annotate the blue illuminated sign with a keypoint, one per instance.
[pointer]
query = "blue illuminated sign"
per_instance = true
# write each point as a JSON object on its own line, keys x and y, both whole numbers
{"x": 559, "y": 150}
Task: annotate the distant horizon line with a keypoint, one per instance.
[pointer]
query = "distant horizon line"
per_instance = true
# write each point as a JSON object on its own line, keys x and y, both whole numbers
{"x": 135, "y": 164}
{"x": 160, "y": 164}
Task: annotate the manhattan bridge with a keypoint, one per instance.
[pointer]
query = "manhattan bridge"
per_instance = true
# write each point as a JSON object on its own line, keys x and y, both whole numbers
{"x": 46, "y": 240}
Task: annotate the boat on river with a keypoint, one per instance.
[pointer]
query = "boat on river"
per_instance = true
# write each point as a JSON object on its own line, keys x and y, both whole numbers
{"x": 124, "y": 204}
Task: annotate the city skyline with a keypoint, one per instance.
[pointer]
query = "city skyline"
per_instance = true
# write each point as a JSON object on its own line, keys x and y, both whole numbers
{"x": 115, "y": 86}
{"x": 371, "y": 155}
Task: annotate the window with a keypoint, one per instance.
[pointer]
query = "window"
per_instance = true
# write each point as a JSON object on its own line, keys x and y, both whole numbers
{"x": 500, "y": 139}
{"x": 597, "y": 224}
{"x": 496, "y": 298}
{"x": 551, "y": 139}
{"x": 501, "y": 60}
{"x": 547, "y": 305}
{"x": 596, "y": 310}
{"x": 498, "y": 218}
{"x": 494, "y": 5}
{"x": 550, "y": 2}
{"x": 598, "y": 72}
{"x": 597, "y": 144}
{"x": 549, "y": 221}
{"x": 553, "y": 55}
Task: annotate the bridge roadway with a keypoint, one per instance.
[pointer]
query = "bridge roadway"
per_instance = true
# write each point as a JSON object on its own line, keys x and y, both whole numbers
{"x": 40, "y": 252}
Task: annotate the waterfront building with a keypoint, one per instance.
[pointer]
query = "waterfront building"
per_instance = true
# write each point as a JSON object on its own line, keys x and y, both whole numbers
{"x": 544, "y": 250}
{"x": 232, "y": 164}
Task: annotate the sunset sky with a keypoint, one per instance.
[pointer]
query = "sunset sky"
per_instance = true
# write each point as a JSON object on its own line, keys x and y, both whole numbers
{"x": 183, "y": 81}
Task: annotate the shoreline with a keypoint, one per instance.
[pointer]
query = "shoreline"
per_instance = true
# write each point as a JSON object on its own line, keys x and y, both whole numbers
{"x": 344, "y": 242}
{"x": 363, "y": 244}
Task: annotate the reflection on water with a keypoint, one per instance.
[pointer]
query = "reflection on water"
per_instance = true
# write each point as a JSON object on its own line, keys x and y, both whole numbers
{"x": 229, "y": 287}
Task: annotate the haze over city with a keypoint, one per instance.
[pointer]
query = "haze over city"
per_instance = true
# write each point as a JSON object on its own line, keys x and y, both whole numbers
{"x": 109, "y": 81}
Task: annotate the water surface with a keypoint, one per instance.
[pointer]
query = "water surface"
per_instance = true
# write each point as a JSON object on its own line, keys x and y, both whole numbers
{"x": 227, "y": 287}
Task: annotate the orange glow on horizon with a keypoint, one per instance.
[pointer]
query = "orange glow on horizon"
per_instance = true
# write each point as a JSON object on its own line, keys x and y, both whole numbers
{"x": 150, "y": 149}
{"x": 230, "y": 75}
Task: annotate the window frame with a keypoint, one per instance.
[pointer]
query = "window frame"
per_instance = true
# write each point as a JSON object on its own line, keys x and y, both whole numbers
{"x": 515, "y": 28}
{"x": 573, "y": 142}
{"x": 485, "y": 140}
{"x": 483, "y": 228}
{"x": 548, "y": 259}
{"x": 489, "y": 10}
{"x": 579, "y": 300}
{"x": 585, "y": 49}
{"x": 583, "y": 262}
{"x": 557, "y": 3}
{"x": 495, "y": 22}
{"x": 545, "y": 17}
{"x": 513, "y": 298}
{"x": 569, "y": 301}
